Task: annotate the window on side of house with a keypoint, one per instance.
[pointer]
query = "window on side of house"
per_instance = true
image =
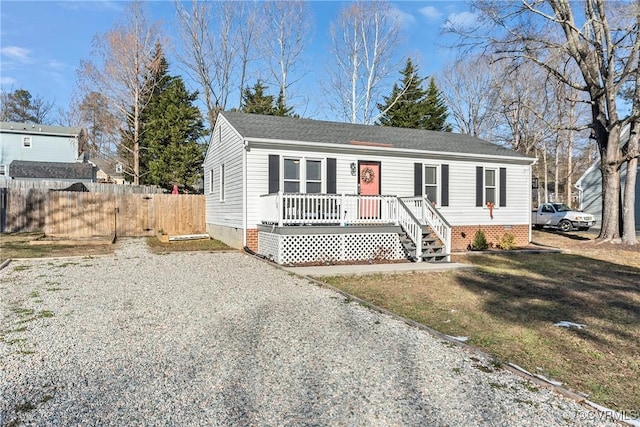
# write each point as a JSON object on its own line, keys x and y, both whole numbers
{"x": 291, "y": 175}
{"x": 431, "y": 183}
{"x": 210, "y": 181}
{"x": 490, "y": 186}
{"x": 222, "y": 183}
{"x": 26, "y": 141}
{"x": 3, "y": 170}
{"x": 314, "y": 176}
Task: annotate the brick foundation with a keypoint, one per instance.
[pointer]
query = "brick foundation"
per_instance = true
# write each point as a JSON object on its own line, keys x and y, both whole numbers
{"x": 252, "y": 239}
{"x": 462, "y": 235}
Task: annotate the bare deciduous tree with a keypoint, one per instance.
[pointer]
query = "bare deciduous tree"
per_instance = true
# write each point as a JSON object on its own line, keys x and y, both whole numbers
{"x": 218, "y": 42}
{"x": 287, "y": 24}
{"x": 122, "y": 72}
{"x": 468, "y": 87}
{"x": 365, "y": 39}
{"x": 602, "y": 39}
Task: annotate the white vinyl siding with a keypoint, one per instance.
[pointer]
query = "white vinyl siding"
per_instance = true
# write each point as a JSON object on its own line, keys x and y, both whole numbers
{"x": 226, "y": 148}
{"x": 397, "y": 178}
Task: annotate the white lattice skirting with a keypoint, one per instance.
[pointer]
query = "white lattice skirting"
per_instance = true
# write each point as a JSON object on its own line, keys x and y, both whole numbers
{"x": 327, "y": 248}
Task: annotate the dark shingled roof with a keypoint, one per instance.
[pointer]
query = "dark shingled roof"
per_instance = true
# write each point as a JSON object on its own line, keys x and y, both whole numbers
{"x": 316, "y": 131}
{"x": 50, "y": 170}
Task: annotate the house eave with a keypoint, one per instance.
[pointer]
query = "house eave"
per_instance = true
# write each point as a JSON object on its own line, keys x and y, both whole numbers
{"x": 386, "y": 151}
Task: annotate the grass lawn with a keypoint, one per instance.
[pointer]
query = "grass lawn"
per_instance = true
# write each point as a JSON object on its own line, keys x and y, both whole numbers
{"x": 509, "y": 304}
{"x": 158, "y": 247}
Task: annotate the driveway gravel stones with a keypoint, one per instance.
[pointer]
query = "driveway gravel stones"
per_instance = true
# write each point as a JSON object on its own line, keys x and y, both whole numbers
{"x": 224, "y": 339}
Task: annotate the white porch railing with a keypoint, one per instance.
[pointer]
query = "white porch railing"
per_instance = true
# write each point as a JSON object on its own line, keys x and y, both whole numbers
{"x": 352, "y": 209}
{"x": 422, "y": 208}
{"x": 321, "y": 209}
{"x": 411, "y": 225}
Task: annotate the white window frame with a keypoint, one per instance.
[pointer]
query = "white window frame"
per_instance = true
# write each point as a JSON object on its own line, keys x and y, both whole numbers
{"x": 222, "y": 182}
{"x": 436, "y": 185}
{"x": 27, "y": 141}
{"x": 3, "y": 170}
{"x": 495, "y": 186}
{"x": 302, "y": 172}
{"x": 300, "y": 179}
{"x": 211, "y": 181}
{"x": 307, "y": 180}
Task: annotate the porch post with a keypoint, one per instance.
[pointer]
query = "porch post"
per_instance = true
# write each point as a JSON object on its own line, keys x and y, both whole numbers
{"x": 279, "y": 207}
{"x": 342, "y": 211}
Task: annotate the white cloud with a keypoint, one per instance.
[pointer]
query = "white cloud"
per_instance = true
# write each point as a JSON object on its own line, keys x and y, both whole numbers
{"x": 16, "y": 52}
{"x": 430, "y": 12}
{"x": 461, "y": 20}
{"x": 7, "y": 81}
{"x": 405, "y": 19}
{"x": 55, "y": 64}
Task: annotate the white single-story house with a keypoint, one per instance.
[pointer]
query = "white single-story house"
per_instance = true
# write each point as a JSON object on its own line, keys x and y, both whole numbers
{"x": 589, "y": 186}
{"x": 308, "y": 191}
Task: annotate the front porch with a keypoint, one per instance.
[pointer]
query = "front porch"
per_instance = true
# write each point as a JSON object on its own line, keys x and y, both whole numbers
{"x": 301, "y": 228}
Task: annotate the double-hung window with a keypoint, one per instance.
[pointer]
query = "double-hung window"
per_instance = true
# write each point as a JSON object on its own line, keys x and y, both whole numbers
{"x": 211, "y": 181}
{"x": 291, "y": 175}
{"x": 302, "y": 175}
{"x": 222, "y": 182}
{"x": 431, "y": 183}
{"x": 314, "y": 176}
{"x": 26, "y": 141}
{"x": 3, "y": 170}
{"x": 490, "y": 186}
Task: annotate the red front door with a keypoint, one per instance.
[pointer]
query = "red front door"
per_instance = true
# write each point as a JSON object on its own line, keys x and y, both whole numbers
{"x": 369, "y": 185}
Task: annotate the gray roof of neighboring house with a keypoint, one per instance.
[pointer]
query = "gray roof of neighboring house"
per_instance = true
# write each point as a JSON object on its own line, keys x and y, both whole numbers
{"x": 50, "y": 170}
{"x": 30, "y": 128}
{"x": 315, "y": 131}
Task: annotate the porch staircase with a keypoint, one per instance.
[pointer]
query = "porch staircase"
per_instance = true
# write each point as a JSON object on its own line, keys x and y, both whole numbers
{"x": 432, "y": 248}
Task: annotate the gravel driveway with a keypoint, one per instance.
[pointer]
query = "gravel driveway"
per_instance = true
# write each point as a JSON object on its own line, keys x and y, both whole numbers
{"x": 225, "y": 339}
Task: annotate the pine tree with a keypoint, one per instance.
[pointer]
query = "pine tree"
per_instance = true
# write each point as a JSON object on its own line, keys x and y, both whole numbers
{"x": 436, "y": 117}
{"x": 281, "y": 108}
{"x": 411, "y": 106}
{"x": 405, "y": 107}
{"x": 256, "y": 101}
{"x": 173, "y": 127}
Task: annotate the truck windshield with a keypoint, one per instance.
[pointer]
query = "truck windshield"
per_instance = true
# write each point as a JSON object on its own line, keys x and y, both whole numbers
{"x": 561, "y": 207}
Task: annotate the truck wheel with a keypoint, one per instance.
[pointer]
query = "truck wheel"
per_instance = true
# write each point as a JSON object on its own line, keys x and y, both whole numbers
{"x": 565, "y": 226}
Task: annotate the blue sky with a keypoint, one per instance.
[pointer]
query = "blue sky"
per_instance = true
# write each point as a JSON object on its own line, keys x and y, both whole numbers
{"x": 43, "y": 42}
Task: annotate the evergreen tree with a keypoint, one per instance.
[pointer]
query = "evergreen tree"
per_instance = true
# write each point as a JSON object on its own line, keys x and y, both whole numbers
{"x": 172, "y": 128}
{"x": 281, "y": 108}
{"x": 256, "y": 101}
{"x": 436, "y": 117}
{"x": 405, "y": 107}
{"x": 411, "y": 106}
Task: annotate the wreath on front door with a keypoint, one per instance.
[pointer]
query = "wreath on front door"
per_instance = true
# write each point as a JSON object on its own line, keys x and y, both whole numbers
{"x": 367, "y": 175}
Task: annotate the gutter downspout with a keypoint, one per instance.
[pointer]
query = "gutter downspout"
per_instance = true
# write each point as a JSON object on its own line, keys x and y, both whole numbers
{"x": 245, "y": 148}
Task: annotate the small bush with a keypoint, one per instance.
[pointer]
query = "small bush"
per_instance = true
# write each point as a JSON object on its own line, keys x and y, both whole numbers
{"x": 479, "y": 241}
{"x": 507, "y": 242}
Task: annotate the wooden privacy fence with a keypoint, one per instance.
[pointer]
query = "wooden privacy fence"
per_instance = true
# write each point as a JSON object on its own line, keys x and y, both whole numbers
{"x": 74, "y": 215}
{"x": 22, "y": 210}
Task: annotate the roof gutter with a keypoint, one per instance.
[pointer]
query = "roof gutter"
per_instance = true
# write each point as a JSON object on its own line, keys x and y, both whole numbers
{"x": 266, "y": 142}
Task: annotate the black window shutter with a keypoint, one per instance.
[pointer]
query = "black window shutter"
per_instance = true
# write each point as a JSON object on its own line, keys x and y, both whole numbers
{"x": 417, "y": 179}
{"x": 503, "y": 186}
{"x": 331, "y": 176}
{"x": 479, "y": 185}
{"x": 274, "y": 173}
{"x": 444, "y": 172}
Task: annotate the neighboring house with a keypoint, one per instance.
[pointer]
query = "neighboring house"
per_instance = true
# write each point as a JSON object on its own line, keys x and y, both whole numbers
{"x": 56, "y": 171}
{"x": 590, "y": 187}
{"x": 26, "y": 142}
{"x": 304, "y": 191}
{"x": 108, "y": 171}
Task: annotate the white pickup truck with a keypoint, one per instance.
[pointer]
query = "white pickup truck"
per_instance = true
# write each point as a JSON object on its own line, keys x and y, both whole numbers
{"x": 561, "y": 216}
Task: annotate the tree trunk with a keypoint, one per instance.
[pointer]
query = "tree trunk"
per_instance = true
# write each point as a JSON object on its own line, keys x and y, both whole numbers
{"x": 628, "y": 207}
{"x": 610, "y": 167}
